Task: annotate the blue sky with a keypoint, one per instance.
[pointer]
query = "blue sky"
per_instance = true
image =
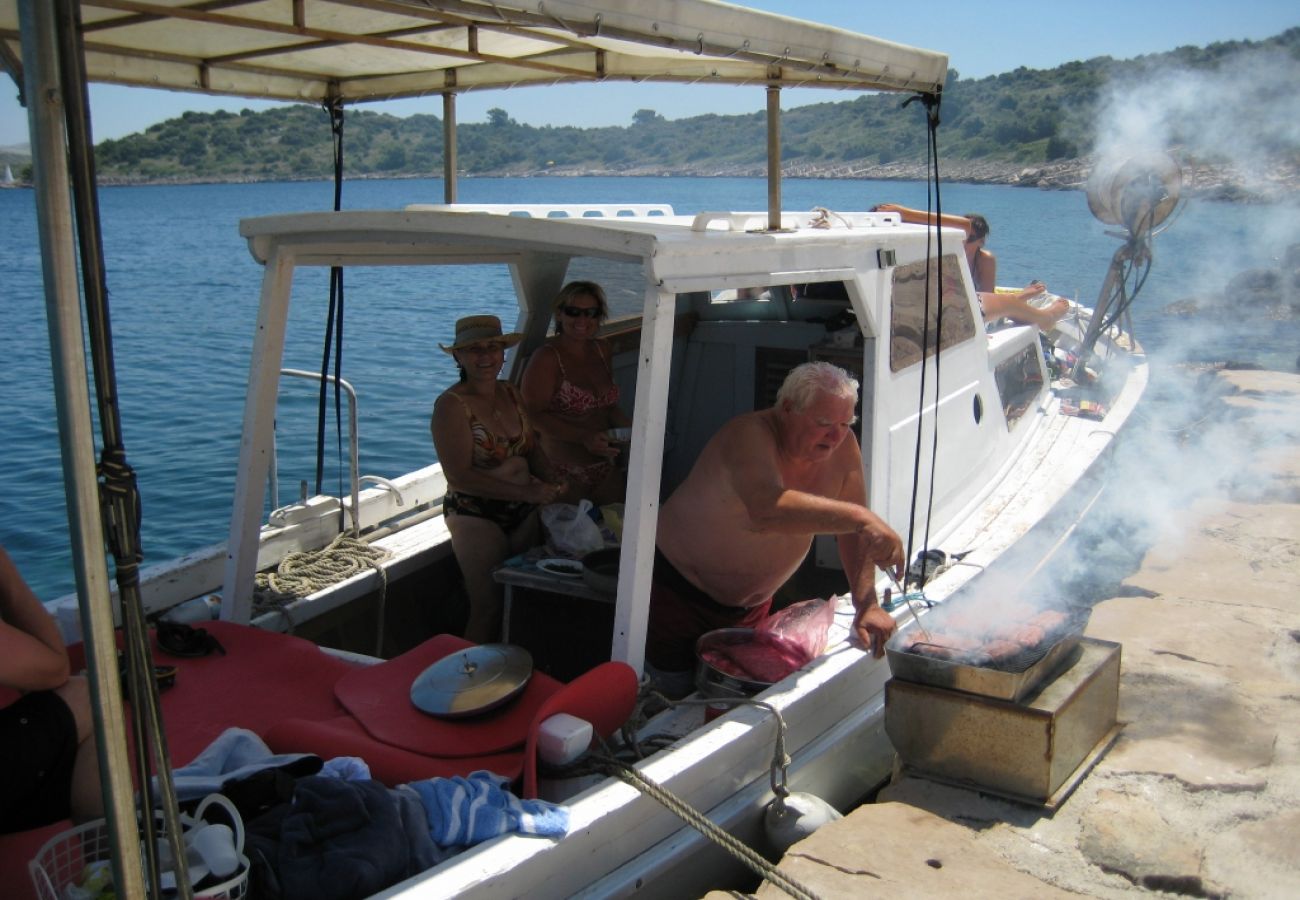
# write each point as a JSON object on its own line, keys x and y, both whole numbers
{"x": 980, "y": 39}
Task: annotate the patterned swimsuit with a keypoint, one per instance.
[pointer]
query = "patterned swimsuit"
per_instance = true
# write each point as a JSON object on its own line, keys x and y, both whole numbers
{"x": 571, "y": 400}
{"x": 491, "y": 451}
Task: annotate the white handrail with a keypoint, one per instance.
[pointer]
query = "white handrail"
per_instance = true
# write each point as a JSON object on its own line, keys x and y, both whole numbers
{"x": 353, "y": 444}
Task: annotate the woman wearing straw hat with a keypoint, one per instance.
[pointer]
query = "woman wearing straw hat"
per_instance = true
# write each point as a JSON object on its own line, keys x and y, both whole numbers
{"x": 571, "y": 395}
{"x": 489, "y": 453}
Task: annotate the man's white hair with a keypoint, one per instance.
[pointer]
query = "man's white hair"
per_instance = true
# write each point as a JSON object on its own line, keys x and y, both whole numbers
{"x": 809, "y": 380}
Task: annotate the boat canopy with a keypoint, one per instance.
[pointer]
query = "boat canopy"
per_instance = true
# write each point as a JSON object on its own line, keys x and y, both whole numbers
{"x": 368, "y": 50}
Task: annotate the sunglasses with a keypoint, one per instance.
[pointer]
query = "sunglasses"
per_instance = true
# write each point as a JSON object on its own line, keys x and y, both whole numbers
{"x": 577, "y": 312}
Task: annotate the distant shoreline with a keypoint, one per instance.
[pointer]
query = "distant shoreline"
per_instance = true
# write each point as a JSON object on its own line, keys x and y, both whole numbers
{"x": 1203, "y": 181}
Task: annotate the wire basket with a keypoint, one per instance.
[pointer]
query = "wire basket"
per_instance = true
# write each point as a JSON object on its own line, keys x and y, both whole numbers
{"x": 62, "y": 860}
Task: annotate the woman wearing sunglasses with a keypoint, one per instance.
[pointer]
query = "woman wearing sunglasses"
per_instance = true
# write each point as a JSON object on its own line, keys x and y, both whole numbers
{"x": 572, "y": 398}
{"x": 490, "y": 455}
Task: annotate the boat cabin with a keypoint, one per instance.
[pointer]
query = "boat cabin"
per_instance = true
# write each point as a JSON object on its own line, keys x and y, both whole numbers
{"x": 708, "y": 314}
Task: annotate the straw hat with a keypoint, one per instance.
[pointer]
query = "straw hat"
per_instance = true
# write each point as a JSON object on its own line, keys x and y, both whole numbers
{"x": 476, "y": 329}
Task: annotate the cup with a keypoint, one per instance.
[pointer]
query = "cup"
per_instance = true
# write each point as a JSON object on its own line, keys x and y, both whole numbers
{"x": 215, "y": 845}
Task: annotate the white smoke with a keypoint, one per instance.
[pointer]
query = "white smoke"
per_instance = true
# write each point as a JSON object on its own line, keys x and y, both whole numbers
{"x": 1234, "y": 127}
{"x": 1237, "y": 123}
{"x": 1243, "y": 113}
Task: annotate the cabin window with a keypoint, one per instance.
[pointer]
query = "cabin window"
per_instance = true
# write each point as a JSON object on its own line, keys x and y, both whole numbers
{"x": 908, "y": 326}
{"x": 755, "y": 293}
{"x": 1019, "y": 380}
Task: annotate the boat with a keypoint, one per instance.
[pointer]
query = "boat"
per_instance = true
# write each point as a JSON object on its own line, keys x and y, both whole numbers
{"x": 716, "y": 307}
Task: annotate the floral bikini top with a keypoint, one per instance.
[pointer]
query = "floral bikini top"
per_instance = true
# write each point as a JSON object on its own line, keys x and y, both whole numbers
{"x": 574, "y": 400}
{"x": 490, "y": 450}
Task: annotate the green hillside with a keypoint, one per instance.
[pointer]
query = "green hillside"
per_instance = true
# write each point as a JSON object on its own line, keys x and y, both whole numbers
{"x": 1022, "y": 117}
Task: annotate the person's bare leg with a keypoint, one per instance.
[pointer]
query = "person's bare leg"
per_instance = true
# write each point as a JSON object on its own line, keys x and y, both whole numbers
{"x": 480, "y": 545}
{"x": 86, "y": 798}
{"x": 528, "y": 534}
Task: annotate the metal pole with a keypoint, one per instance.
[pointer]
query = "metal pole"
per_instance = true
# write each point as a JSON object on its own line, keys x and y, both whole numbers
{"x": 773, "y": 157}
{"x": 119, "y": 498}
{"x": 76, "y": 437}
{"x": 449, "y": 147}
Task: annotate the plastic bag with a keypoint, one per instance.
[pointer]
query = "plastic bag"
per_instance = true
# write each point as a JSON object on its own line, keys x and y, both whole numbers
{"x": 571, "y": 529}
{"x": 804, "y": 624}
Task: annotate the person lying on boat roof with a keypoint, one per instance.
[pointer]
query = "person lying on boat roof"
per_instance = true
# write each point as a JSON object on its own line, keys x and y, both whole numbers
{"x": 49, "y": 770}
{"x": 494, "y": 466}
{"x": 572, "y": 398}
{"x": 742, "y": 521}
{"x": 1016, "y": 305}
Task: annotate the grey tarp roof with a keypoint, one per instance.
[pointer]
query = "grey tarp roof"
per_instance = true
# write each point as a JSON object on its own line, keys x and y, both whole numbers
{"x": 358, "y": 50}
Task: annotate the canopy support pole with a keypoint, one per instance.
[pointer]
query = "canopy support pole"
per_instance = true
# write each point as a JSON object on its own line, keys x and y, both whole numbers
{"x": 773, "y": 157}
{"x": 72, "y": 407}
{"x": 448, "y": 147}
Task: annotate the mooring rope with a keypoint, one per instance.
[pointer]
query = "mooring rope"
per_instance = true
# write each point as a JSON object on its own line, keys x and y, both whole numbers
{"x": 701, "y": 823}
{"x": 305, "y": 572}
{"x": 603, "y": 761}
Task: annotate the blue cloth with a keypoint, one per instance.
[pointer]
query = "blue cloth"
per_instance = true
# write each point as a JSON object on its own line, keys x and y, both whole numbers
{"x": 236, "y": 753}
{"x": 425, "y": 854}
{"x": 467, "y": 811}
{"x": 349, "y": 768}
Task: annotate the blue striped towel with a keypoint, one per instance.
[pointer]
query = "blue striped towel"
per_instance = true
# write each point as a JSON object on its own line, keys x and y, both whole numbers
{"x": 467, "y": 811}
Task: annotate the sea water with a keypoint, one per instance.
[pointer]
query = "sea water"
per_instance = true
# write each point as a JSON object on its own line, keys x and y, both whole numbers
{"x": 183, "y": 294}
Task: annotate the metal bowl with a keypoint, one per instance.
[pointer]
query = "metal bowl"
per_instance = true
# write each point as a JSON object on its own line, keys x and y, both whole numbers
{"x": 714, "y": 682}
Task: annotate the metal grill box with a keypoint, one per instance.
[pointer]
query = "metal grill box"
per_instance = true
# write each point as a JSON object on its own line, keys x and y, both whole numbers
{"x": 1032, "y": 751}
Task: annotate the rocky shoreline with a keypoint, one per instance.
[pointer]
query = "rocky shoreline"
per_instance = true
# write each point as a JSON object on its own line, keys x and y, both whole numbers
{"x": 1278, "y": 184}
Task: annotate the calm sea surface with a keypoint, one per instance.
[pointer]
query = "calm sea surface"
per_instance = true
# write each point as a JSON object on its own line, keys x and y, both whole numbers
{"x": 184, "y": 291}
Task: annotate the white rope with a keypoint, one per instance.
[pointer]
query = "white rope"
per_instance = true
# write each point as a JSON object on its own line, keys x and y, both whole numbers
{"x": 305, "y": 572}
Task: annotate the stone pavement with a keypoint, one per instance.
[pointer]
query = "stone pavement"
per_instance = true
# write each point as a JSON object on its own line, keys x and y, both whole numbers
{"x": 1200, "y": 795}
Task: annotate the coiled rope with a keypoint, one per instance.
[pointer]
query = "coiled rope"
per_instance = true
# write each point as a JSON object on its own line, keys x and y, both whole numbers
{"x": 305, "y": 572}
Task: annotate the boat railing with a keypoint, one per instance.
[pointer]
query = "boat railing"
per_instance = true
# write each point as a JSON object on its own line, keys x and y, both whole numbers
{"x": 816, "y": 219}
{"x": 353, "y": 449}
{"x": 553, "y": 210}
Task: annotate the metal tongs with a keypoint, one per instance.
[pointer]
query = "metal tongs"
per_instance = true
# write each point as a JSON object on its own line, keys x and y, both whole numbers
{"x": 910, "y": 608}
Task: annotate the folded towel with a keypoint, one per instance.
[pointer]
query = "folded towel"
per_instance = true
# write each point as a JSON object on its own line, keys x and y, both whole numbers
{"x": 467, "y": 811}
{"x": 236, "y": 753}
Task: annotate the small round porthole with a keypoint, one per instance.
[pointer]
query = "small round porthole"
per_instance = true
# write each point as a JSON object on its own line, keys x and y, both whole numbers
{"x": 978, "y": 409}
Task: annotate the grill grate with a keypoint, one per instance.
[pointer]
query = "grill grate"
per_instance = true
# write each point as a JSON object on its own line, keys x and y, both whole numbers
{"x": 1016, "y": 663}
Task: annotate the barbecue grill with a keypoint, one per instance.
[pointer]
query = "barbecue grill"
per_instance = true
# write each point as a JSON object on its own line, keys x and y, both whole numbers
{"x": 1026, "y": 727}
{"x": 1010, "y": 678}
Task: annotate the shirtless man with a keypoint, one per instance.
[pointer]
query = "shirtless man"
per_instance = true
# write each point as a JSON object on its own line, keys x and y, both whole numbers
{"x": 742, "y": 522}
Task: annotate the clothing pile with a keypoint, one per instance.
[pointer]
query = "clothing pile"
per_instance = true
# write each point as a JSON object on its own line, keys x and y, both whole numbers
{"x": 323, "y": 829}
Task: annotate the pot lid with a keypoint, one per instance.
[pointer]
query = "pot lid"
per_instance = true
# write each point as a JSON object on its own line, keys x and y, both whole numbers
{"x": 473, "y": 680}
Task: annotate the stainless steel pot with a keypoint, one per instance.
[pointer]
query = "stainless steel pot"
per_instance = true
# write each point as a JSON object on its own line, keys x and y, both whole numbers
{"x": 712, "y": 681}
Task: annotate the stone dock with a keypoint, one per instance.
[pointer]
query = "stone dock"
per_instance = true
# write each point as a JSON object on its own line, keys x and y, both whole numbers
{"x": 1200, "y": 794}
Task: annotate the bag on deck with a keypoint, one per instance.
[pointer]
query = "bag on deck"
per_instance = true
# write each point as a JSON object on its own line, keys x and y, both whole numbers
{"x": 571, "y": 529}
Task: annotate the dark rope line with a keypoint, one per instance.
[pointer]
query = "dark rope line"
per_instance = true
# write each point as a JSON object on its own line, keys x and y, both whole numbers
{"x": 931, "y": 104}
{"x": 932, "y": 154}
{"x": 333, "y": 321}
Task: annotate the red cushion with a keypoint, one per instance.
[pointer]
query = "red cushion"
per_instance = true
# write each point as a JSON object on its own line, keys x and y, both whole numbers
{"x": 262, "y": 675}
{"x": 604, "y": 696}
{"x": 380, "y": 698}
{"x": 345, "y": 736}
